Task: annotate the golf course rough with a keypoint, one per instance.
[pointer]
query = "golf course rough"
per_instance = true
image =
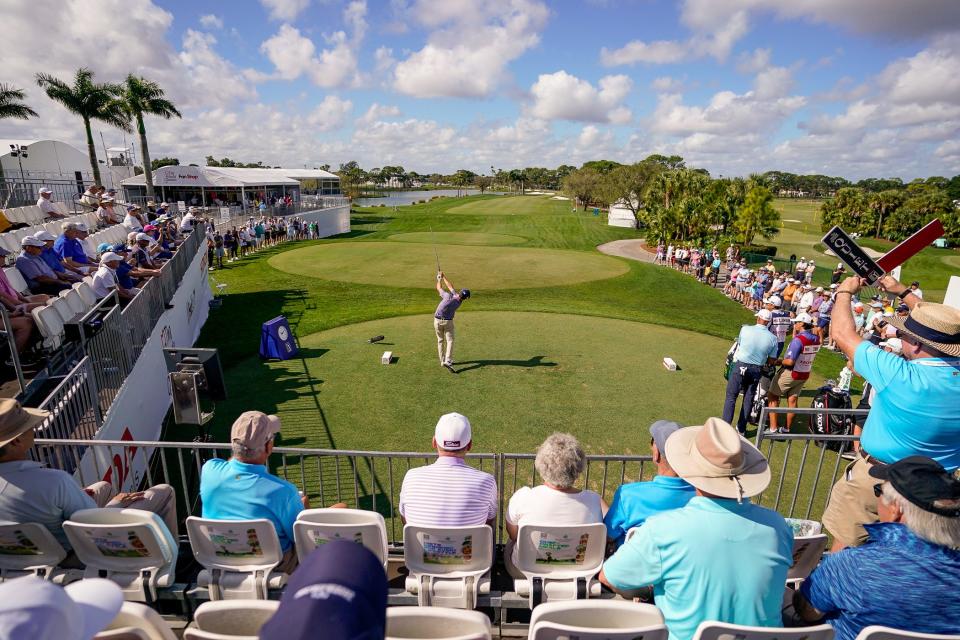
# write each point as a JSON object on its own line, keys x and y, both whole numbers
{"x": 408, "y": 264}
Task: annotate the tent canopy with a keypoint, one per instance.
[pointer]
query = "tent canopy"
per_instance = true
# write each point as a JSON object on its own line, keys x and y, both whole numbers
{"x": 180, "y": 176}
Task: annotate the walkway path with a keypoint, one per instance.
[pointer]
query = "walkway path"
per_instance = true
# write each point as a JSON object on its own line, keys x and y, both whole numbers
{"x": 632, "y": 249}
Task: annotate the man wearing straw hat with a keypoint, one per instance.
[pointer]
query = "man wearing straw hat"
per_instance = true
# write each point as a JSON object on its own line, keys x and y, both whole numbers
{"x": 30, "y": 492}
{"x": 916, "y": 407}
{"x": 720, "y": 557}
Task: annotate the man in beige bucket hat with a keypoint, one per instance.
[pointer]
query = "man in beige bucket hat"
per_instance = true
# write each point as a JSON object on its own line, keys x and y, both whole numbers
{"x": 916, "y": 407}
{"x": 30, "y": 492}
{"x": 720, "y": 557}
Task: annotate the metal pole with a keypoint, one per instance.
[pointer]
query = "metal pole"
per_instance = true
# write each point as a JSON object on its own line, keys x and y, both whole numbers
{"x": 8, "y": 329}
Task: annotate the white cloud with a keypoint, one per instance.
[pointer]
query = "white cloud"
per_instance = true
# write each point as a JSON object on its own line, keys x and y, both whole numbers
{"x": 754, "y": 61}
{"x": 211, "y": 21}
{"x": 378, "y": 111}
{"x": 561, "y": 96}
{"x": 286, "y": 10}
{"x": 658, "y": 52}
{"x": 330, "y": 114}
{"x": 294, "y": 55}
{"x": 469, "y": 47}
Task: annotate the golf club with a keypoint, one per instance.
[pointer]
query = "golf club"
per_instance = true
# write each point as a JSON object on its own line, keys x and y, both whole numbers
{"x": 434, "y": 243}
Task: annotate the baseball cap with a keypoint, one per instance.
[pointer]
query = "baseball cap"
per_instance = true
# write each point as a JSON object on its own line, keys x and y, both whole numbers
{"x": 895, "y": 344}
{"x": 164, "y": 204}
{"x": 819, "y": 289}
{"x": 30, "y": 241}
{"x": 834, "y": 285}
{"x": 150, "y": 227}
{"x": 254, "y": 429}
{"x": 903, "y": 307}
{"x": 452, "y": 432}
{"x": 80, "y": 226}
{"x": 923, "y": 482}
{"x": 110, "y": 256}
{"x": 132, "y": 207}
{"x": 775, "y": 301}
{"x": 915, "y": 283}
{"x": 840, "y": 265}
{"x": 804, "y": 318}
{"x": 341, "y": 589}
{"x": 104, "y": 247}
{"x": 143, "y": 236}
{"x": 121, "y": 248}
{"x": 68, "y": 226}
{"x": 44, "y": 235}
{"x": 764, "y": 314}
{"x": 464, "y": 293}
{"x": 661, "y": 430}
{"x": 106, "y": 200}
{"x": 34, "y": 608}
{"x": 45, "y": 190}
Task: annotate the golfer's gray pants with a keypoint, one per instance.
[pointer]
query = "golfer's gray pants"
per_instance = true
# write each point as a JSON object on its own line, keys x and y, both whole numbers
{"x": 444, "y": 329}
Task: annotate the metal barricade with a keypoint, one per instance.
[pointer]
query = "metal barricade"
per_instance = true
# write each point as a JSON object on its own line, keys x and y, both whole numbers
{"x": 73, "y": 407}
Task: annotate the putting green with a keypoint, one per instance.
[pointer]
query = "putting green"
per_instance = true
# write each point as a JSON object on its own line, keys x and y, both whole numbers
{"x": 521, "y": 377}
{"x": 458, "y": 237}
{"x": 398, "y": 264}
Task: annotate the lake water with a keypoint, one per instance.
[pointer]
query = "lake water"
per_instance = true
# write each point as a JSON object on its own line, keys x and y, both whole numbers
{"x": 402, "y": 198}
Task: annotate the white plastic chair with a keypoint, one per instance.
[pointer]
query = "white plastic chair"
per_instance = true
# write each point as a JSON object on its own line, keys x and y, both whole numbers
{"x": 449, "y": 566}
{"x": 16, "y": 278}
{"x": 132, "y": 547}
{"x": 74, "y": 301}
{"x": 559, "y": 562}
{"x": 232, "y": 618}
{"x": 725, "y": 631}
{"x": 86, "y": 293}
{"x": 315, "y": 527}
{"x": 875, "y": 632}
{"x": 597, "y": 620}
{"x": 436, "y": 623}
{"x": 807, "y": 552}
{"x": 62, "y": 307}
{"x": 238, "y": 556}
{"x": 28, "y": 549}
{"x": 136, "y": 621}
{"x": 50, "y": 325}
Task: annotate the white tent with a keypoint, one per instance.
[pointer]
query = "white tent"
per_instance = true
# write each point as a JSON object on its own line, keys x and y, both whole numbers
{"x": 621, "y": 216}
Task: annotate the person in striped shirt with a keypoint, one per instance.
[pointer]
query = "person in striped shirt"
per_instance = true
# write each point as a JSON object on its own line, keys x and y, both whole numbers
{"x": 449, "y": 492}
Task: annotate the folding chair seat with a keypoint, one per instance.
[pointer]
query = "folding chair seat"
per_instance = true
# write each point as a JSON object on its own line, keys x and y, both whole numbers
{"x": 50, "y": 325}
{"x": 8, "y": 241}
{"x": 597, "y": 620}
{"x": 16, "y": 278}
{"x": 437, "y": 623}
{"x": 13, "y": 214}
{"x": 238, "y": 556}
{"x": 315, "y": 527}
{"x": 29, "y": 549}
{"x": 559, "y": 562}
{"x": 137, "y": 622}
{"x": 62, "y": 208}
{"x": 725, "y": 631}
{"x": 34, "y": 215}
{"x": 232, "y": 619}
{"x": 86, "y": 293}
{"x": 449, "y": 566}
{"x": 876, "y": 632}
{"x": 132, "y": 547}
{"x": 74, "y": 301}
{"x": 62, "y": 307}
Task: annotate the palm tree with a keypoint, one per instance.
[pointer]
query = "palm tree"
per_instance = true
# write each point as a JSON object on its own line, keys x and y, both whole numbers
{"x": 145, "y": 97}
{"x": 10, "y": 105}
{"x": 91, "y": 101}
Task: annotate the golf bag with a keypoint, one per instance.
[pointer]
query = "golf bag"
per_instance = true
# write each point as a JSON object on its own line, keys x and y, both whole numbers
{"x": 830, "y": 397}
{"x": 760, "y": 397}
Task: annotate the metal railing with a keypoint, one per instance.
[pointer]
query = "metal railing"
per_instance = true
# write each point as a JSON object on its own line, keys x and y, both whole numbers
{"x": 74, "y": 410}
{"x": 17, "y": 192}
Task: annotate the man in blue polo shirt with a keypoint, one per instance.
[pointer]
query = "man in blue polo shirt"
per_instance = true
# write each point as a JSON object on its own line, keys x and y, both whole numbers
{"x": 633, "y": 503}
{"x": 755, "y": 347}
{"x": 450, "y": 301}
{"x": 38, "y": 274}
{"x": 915, "y": 410}
{"x": 70, "y": 249}
{"x": 242, "y": 488}
{"x": 906, "y": 577}
{"x": 719, "y": 557}
{"x": 52, "y": 259}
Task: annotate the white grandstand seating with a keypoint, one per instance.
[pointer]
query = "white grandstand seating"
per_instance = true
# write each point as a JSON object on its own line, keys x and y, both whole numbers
{"x": 238, "y": 556}
{"x": 231, "y": 618}
{"x": 319, "y": 526}
{"x": 436, "y": 623}
{"x": 29, "y": 549}
{"x": 132, "y": 547}
{"x": 725, "y": 631}
{"x": 559, "y": 562}
{"x": 16, "y": 280}
{"x": 597, "y": 620}
{"x": 49, "y": 324}
{"x": 455, "y": 569}
{"x": 136, "y": 622}
{"x": 876, "y": 632}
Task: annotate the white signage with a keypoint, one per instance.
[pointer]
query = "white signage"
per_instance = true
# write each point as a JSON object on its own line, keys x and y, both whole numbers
{"x": 176, "y": 176}
{"x": 224, "y": 213}
{"x": 181, "y": 206}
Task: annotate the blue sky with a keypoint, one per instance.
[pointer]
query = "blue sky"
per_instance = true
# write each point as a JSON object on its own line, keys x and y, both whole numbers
{"x": 843, "y": 87}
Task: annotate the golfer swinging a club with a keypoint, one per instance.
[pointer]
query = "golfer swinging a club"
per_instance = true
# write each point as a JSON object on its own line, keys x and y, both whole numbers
{"x": 451, "y": 299}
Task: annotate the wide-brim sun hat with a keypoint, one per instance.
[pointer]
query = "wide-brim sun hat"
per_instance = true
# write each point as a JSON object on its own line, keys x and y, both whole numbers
{"x": 717, "y": 460}
{"x": 16, "y": 420}
{"x": 932, "y": 324}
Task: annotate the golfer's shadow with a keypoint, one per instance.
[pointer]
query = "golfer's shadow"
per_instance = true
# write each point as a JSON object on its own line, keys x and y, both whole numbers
{"x": 535, "y": 361}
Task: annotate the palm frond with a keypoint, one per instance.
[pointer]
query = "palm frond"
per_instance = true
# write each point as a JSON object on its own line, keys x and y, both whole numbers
{"x": 11, "y": 105}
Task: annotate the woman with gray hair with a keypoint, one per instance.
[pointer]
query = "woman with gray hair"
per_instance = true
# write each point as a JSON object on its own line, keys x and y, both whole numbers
{"x": 560, "y": 462}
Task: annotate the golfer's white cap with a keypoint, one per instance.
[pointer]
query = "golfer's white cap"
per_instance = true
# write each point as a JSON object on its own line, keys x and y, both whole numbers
{"x": 805, "y": 318}
{"x": 40, "y": 610}
{"x": 110, "y": 256}
{"x": 895, "y": 344}
{"x": 834, "y": 285}
{"x": 839, "y": 265}
{"x": 452, "y": 432}
{"x": 819, "y": 289}
{"x": 764, "y": 315}
{"x": 775, "y": 301}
